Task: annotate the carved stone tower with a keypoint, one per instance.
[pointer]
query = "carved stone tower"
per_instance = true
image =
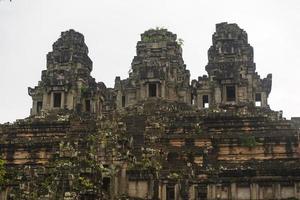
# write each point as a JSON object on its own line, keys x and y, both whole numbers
{"x": 67, "y": 83}
{"x": 158, "y": 71}
{"x": 232, "y": 79}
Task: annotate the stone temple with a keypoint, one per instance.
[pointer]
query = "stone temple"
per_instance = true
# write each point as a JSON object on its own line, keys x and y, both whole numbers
{"x": 157, "y": 134}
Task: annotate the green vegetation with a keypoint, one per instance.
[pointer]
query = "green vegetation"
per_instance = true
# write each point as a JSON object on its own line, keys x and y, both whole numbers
{"x": 83, "y": 90}
{"x": 146, "y": 164}
{"x": 248, "y": 141}
{"x": 180, "y": 42}
{"x": 174, "y": 176}
{"x": 2, "y": 172}
{"x": 198, "y": 130}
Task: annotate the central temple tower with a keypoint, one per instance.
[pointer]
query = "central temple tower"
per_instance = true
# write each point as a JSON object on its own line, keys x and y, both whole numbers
{"x": 157, "y": 71}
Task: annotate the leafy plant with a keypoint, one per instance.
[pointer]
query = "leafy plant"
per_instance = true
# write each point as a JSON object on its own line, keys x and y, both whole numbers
{"x": 2, "y": 172}
{"x": 248, "y": 141}
{"x": 83, "y": 89}
{"x": 180, "y": 42}
{"x": 146, "y": 39}
{"x": 174, "y": 176}
{"x": 85, "y": 183}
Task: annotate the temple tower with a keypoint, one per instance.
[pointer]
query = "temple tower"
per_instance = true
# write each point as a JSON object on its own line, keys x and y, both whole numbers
{"x": 232, "y": 79}
{"x": 67, "y": 83}
{"x": 157, "y": 71}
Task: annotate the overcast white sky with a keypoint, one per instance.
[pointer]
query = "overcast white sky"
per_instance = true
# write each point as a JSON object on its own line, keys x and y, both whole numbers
{"x": 111, "y": 28}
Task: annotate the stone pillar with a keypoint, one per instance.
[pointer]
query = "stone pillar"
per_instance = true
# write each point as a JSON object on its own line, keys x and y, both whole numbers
{"x": 158, "y": 94}
{"x": 115, "y": 186}
{"x": 163, "y": 91}
{"x": 51, "y": 100}
{"x": 208, "y": 192}
{"x": 218, "y": 95}
{"x": 150, "y": 188}
{"x": 123, "y": 180}
{"x": 297, "y": 187}
{"x": 34, "y": 108}
{"x": 144, "y": 91}
{"x": 233, "y": 191}
{"x": 163, "y": 191}
{"x": 211, "y": 193}
{"x": 4, "y": 194}
{"x": 264, "y": 101}
{"x": 70, "y": 100}
{"x": 198, "y": 101}
{"x": 277, "y": 191}
{"x": 192, "y": 192}
{"x": 62, "y": 103}
{"x": 45, "y": 101}
{"x": 250, "y": 86}
{"x": 177, "y": 192}
{"x": 254, "y": 193}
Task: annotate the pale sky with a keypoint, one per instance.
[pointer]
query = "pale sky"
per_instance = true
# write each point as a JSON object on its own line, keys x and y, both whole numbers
{"x": 28, "y": 28}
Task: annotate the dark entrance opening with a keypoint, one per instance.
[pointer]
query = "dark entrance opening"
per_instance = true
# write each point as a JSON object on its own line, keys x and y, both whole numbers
{"x": 258, "y": 99}
{"x": 152, "y": 90}
{"x": 230, "y": 93}
{"x": 172, "y": 156}
{"x": 39, "y": 106}
{"x": 123, "y": 101}
{"x": 88, "y": 105}
{"x": 205, "y": 101}
{"x": 170, "y": 192}
{"x": 57, "y": 100}
{"x": 106, "y": 184}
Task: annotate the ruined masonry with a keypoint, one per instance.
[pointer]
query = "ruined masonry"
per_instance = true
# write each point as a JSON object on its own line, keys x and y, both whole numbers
{"x": 157, "y": 134}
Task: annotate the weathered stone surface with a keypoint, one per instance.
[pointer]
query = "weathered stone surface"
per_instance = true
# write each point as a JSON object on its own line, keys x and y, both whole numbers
{"x": 158, "y": 71}
{"x": 67, "y": 83}
{"x": 154, "y": 135}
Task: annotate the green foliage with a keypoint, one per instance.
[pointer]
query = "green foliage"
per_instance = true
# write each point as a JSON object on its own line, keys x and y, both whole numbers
{"x": 248, "y": 141}
{"x": 180, "y": 42}
{"x": 160, "y": 28}
{"x": 174, "y": 176}
{"x": 198, "y": 130}
{"x": 2, "y": 172}
{"x": 156, "y": 38}
{"x": 146, "y": 164}
{"x": 146, "y": 39}
{"x": 83, "y": 90}
{"x": 72, "y": 169}
{"x": 85, "y": 183}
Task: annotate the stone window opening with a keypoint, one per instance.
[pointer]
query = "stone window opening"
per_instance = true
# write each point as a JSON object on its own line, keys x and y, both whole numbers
{"x": 123, "y": 101}
{"x": 87, "y": 105}
{"x": 152, "y": 90}
{"x": 57, "y": 100}
{"x": 172, "y": 156}
{"x": 39, "y": 106}
{"x": 205, "y": 102}
{"x": 258, "y": 99}
{"x": 230, "y": 93}
{"x": 170, "y": 190}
